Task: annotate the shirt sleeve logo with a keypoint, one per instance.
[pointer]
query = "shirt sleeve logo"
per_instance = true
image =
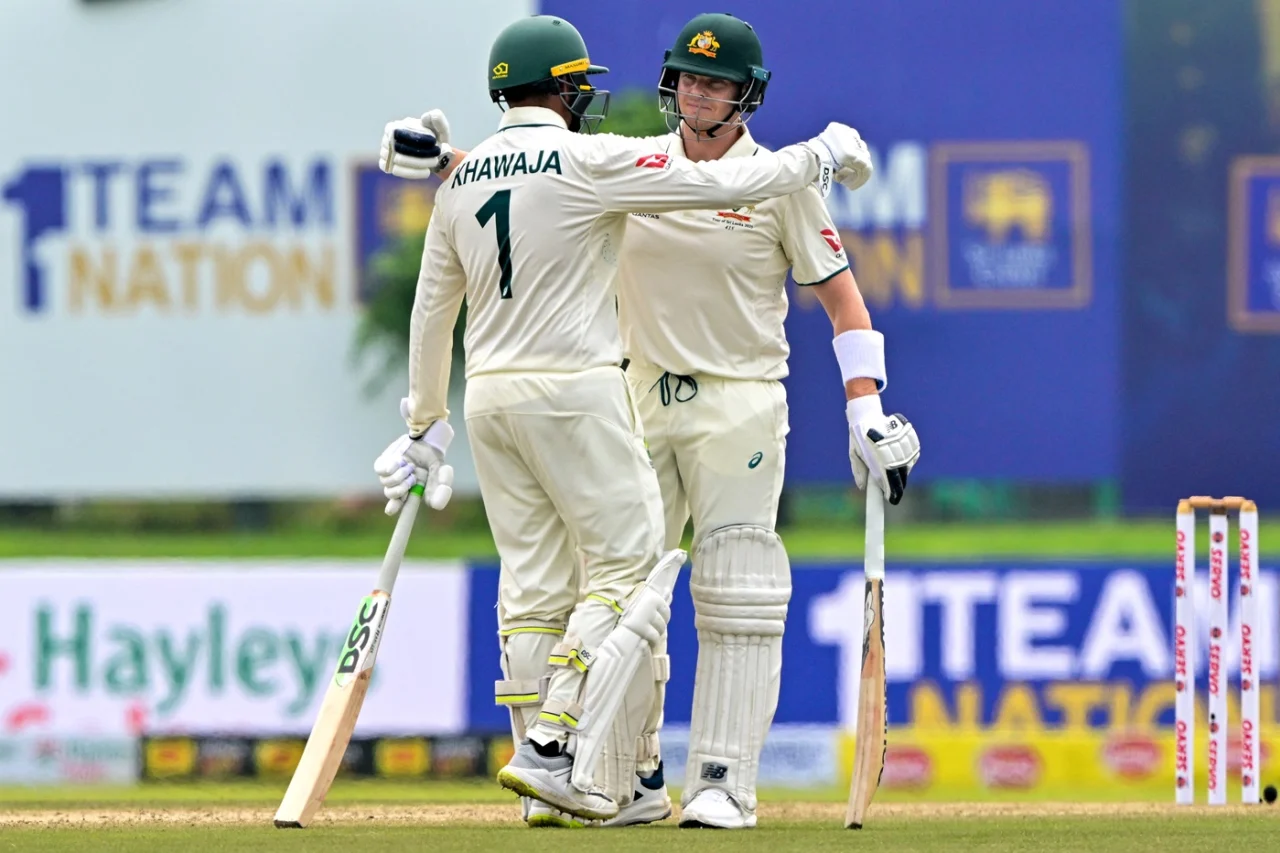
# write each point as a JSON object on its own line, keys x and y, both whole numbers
{"x": 653, "y": 161}
{"x": 833, "y": 240}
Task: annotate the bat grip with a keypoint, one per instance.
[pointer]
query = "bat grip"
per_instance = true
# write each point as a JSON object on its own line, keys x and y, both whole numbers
{"x": 399, "y": 540}
{"x": 873, "y": 552}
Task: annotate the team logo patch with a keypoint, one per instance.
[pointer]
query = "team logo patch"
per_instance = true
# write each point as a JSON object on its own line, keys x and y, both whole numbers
{"x": 704, "y": 43}
{"x": 833, "y": 239}
{"x": 654, "y": 161}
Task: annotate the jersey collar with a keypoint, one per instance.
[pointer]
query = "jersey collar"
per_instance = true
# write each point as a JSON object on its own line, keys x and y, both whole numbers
{"x": 744, "y": 147}
{"x": 531, "y": 117}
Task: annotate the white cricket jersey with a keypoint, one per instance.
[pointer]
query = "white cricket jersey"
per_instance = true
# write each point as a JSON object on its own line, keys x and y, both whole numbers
{"x": 704, "y": 291}
{"x": 529, "y": 227}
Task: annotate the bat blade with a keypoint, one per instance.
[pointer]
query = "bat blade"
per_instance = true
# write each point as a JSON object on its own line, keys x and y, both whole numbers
{"x": 871, "y": 736}
{"x": 331, "y": 733}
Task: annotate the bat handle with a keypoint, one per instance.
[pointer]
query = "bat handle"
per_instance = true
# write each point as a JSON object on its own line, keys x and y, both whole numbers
{"x": 873, "y": 553}
{"x": 399, "y": 540}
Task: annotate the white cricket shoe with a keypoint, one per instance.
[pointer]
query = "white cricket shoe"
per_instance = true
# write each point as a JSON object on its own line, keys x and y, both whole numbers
{"x": 649, "y": 804}
{"x": 713, "y": 808}
{"x": 547, "y": 778}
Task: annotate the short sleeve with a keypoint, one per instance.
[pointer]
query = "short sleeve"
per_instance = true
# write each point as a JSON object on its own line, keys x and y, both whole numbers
{"x": 810, "y": 239}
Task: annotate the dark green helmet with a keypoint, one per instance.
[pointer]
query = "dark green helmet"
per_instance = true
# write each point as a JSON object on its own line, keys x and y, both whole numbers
{"x": 544, "y": 49}
{"x": 716, "y": 45}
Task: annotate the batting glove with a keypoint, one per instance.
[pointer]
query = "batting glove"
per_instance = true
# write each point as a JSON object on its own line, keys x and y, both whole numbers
{"x": 881, "y": 448}
{"x": 410, "y": 460}
{"x": 842, "y": 150}
{"x": 416, "y": 148}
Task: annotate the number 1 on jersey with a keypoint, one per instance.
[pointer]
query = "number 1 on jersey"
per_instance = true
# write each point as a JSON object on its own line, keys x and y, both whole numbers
{"x": 499, "y": 205}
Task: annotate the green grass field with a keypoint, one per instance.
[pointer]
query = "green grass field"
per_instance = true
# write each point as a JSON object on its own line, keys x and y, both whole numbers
{"x": 954, "y": 541}
{"x": 479, "y": 817}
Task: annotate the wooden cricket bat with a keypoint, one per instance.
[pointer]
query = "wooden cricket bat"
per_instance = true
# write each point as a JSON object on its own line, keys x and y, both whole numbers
{"x": 345, "y": 696}
{"x": 871, "y": 738}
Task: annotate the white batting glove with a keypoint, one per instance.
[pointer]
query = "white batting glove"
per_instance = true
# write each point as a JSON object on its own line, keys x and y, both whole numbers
{"x": 842, "y": 150}
{"x": 408, "y": 461}
{"x": 416, "y": 148}
{"x": 881, "y": 448}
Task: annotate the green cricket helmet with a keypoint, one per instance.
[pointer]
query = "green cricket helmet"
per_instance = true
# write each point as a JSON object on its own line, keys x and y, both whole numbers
{"x": 546, "y": 54}
{"x": 716, "y": 45}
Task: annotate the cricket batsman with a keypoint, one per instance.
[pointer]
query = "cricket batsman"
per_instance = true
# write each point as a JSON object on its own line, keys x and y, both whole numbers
{"x": 528, "y": 231}
{"x": 706, "y": 364}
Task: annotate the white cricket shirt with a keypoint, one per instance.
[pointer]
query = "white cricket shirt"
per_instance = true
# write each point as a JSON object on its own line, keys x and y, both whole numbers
{"x": 704, "y": 291}
{"x": 529, "y": 227}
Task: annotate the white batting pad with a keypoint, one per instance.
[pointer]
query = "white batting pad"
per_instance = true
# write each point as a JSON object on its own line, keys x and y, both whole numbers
{"x": 614, "y": 665}
{"x": 741, "y": 584}
{"x": 627, "y": 736}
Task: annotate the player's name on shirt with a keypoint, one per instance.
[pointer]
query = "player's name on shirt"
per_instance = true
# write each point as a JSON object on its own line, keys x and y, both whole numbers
{"x": 502, "y": 165}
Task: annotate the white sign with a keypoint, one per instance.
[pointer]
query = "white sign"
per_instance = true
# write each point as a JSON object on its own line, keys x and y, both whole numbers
{"x": 180, "y": 270}
{"x": 159, "y": 647}
{"x": 32, "y": 760}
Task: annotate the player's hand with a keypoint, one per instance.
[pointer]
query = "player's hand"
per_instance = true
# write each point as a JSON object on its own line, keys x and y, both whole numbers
{"x": 416, "y": 148}
{"x": 840, "y": 148}
{"x": 408, "y": 461}
{"x": 881, "y": 448}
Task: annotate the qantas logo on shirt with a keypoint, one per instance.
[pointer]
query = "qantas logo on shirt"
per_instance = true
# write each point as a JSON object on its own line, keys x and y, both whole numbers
{"x": 833, "y": 240}
{"x": 654, "y": 161}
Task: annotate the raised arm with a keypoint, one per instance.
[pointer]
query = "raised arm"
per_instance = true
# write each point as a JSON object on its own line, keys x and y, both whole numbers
{"x": 631, "y": 177}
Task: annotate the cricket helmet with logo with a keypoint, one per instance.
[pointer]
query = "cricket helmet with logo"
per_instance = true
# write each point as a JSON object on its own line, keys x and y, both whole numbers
{"x": 722, "y": 46}
{"x": 544, "y": 54}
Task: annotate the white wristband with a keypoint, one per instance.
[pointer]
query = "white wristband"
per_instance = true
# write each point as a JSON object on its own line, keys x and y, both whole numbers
{"x": 861, "y": 356}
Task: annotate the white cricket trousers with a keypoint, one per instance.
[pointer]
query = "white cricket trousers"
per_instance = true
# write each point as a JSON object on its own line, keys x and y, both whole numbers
{"x": 718, "y": 447}
{"x": 565, "y": 477}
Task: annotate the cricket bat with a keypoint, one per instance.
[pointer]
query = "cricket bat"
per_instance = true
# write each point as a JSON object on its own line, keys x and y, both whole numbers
{"x": 343, "y": 699}
{"x": 871, "y": 738}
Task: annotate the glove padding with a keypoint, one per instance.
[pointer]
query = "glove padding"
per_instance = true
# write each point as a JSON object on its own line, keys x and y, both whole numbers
{"x": 884, "y": 448}
{"x": 416, "y": 148}
{"x": 841, "y": 149}
{"x": 408, "y": 461}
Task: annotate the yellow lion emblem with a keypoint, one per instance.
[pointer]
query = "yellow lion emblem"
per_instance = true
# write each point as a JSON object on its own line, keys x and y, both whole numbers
{"x": 1000, "y": 201}
{"x": 704, "y": 43}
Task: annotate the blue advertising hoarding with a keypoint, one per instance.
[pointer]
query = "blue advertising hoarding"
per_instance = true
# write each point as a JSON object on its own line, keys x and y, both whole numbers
{"x": 999, "y": 645}
{"x": 986, "y": 244}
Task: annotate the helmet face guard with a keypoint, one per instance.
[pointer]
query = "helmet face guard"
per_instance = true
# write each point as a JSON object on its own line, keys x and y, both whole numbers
{"x": 586, "y": 104}
{"x": 750, "y": 97}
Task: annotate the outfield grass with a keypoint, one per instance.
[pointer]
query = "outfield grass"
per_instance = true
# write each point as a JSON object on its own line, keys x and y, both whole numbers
{"x": 956, "y": 541}
{"x": 390, "y": 816}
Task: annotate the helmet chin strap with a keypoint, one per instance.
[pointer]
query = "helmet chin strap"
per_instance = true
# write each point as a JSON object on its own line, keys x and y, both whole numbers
{"x": 718, "y": 126}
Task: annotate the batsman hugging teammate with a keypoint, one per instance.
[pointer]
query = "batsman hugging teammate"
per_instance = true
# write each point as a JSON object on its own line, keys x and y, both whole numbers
{"x": 529, "y": 229}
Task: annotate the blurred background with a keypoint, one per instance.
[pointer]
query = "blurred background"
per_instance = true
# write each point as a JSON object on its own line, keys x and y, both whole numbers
{"x": 1072, "y": 244}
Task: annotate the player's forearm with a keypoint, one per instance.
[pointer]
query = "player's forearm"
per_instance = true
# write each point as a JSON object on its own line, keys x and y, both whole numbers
{"x": 848, "y": 312}
{"x": 655, "y": 183}
{"x": 435, "y": 313}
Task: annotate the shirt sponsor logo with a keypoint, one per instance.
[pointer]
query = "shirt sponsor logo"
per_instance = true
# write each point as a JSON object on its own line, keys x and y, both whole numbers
{"x": 654, "y": 161}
